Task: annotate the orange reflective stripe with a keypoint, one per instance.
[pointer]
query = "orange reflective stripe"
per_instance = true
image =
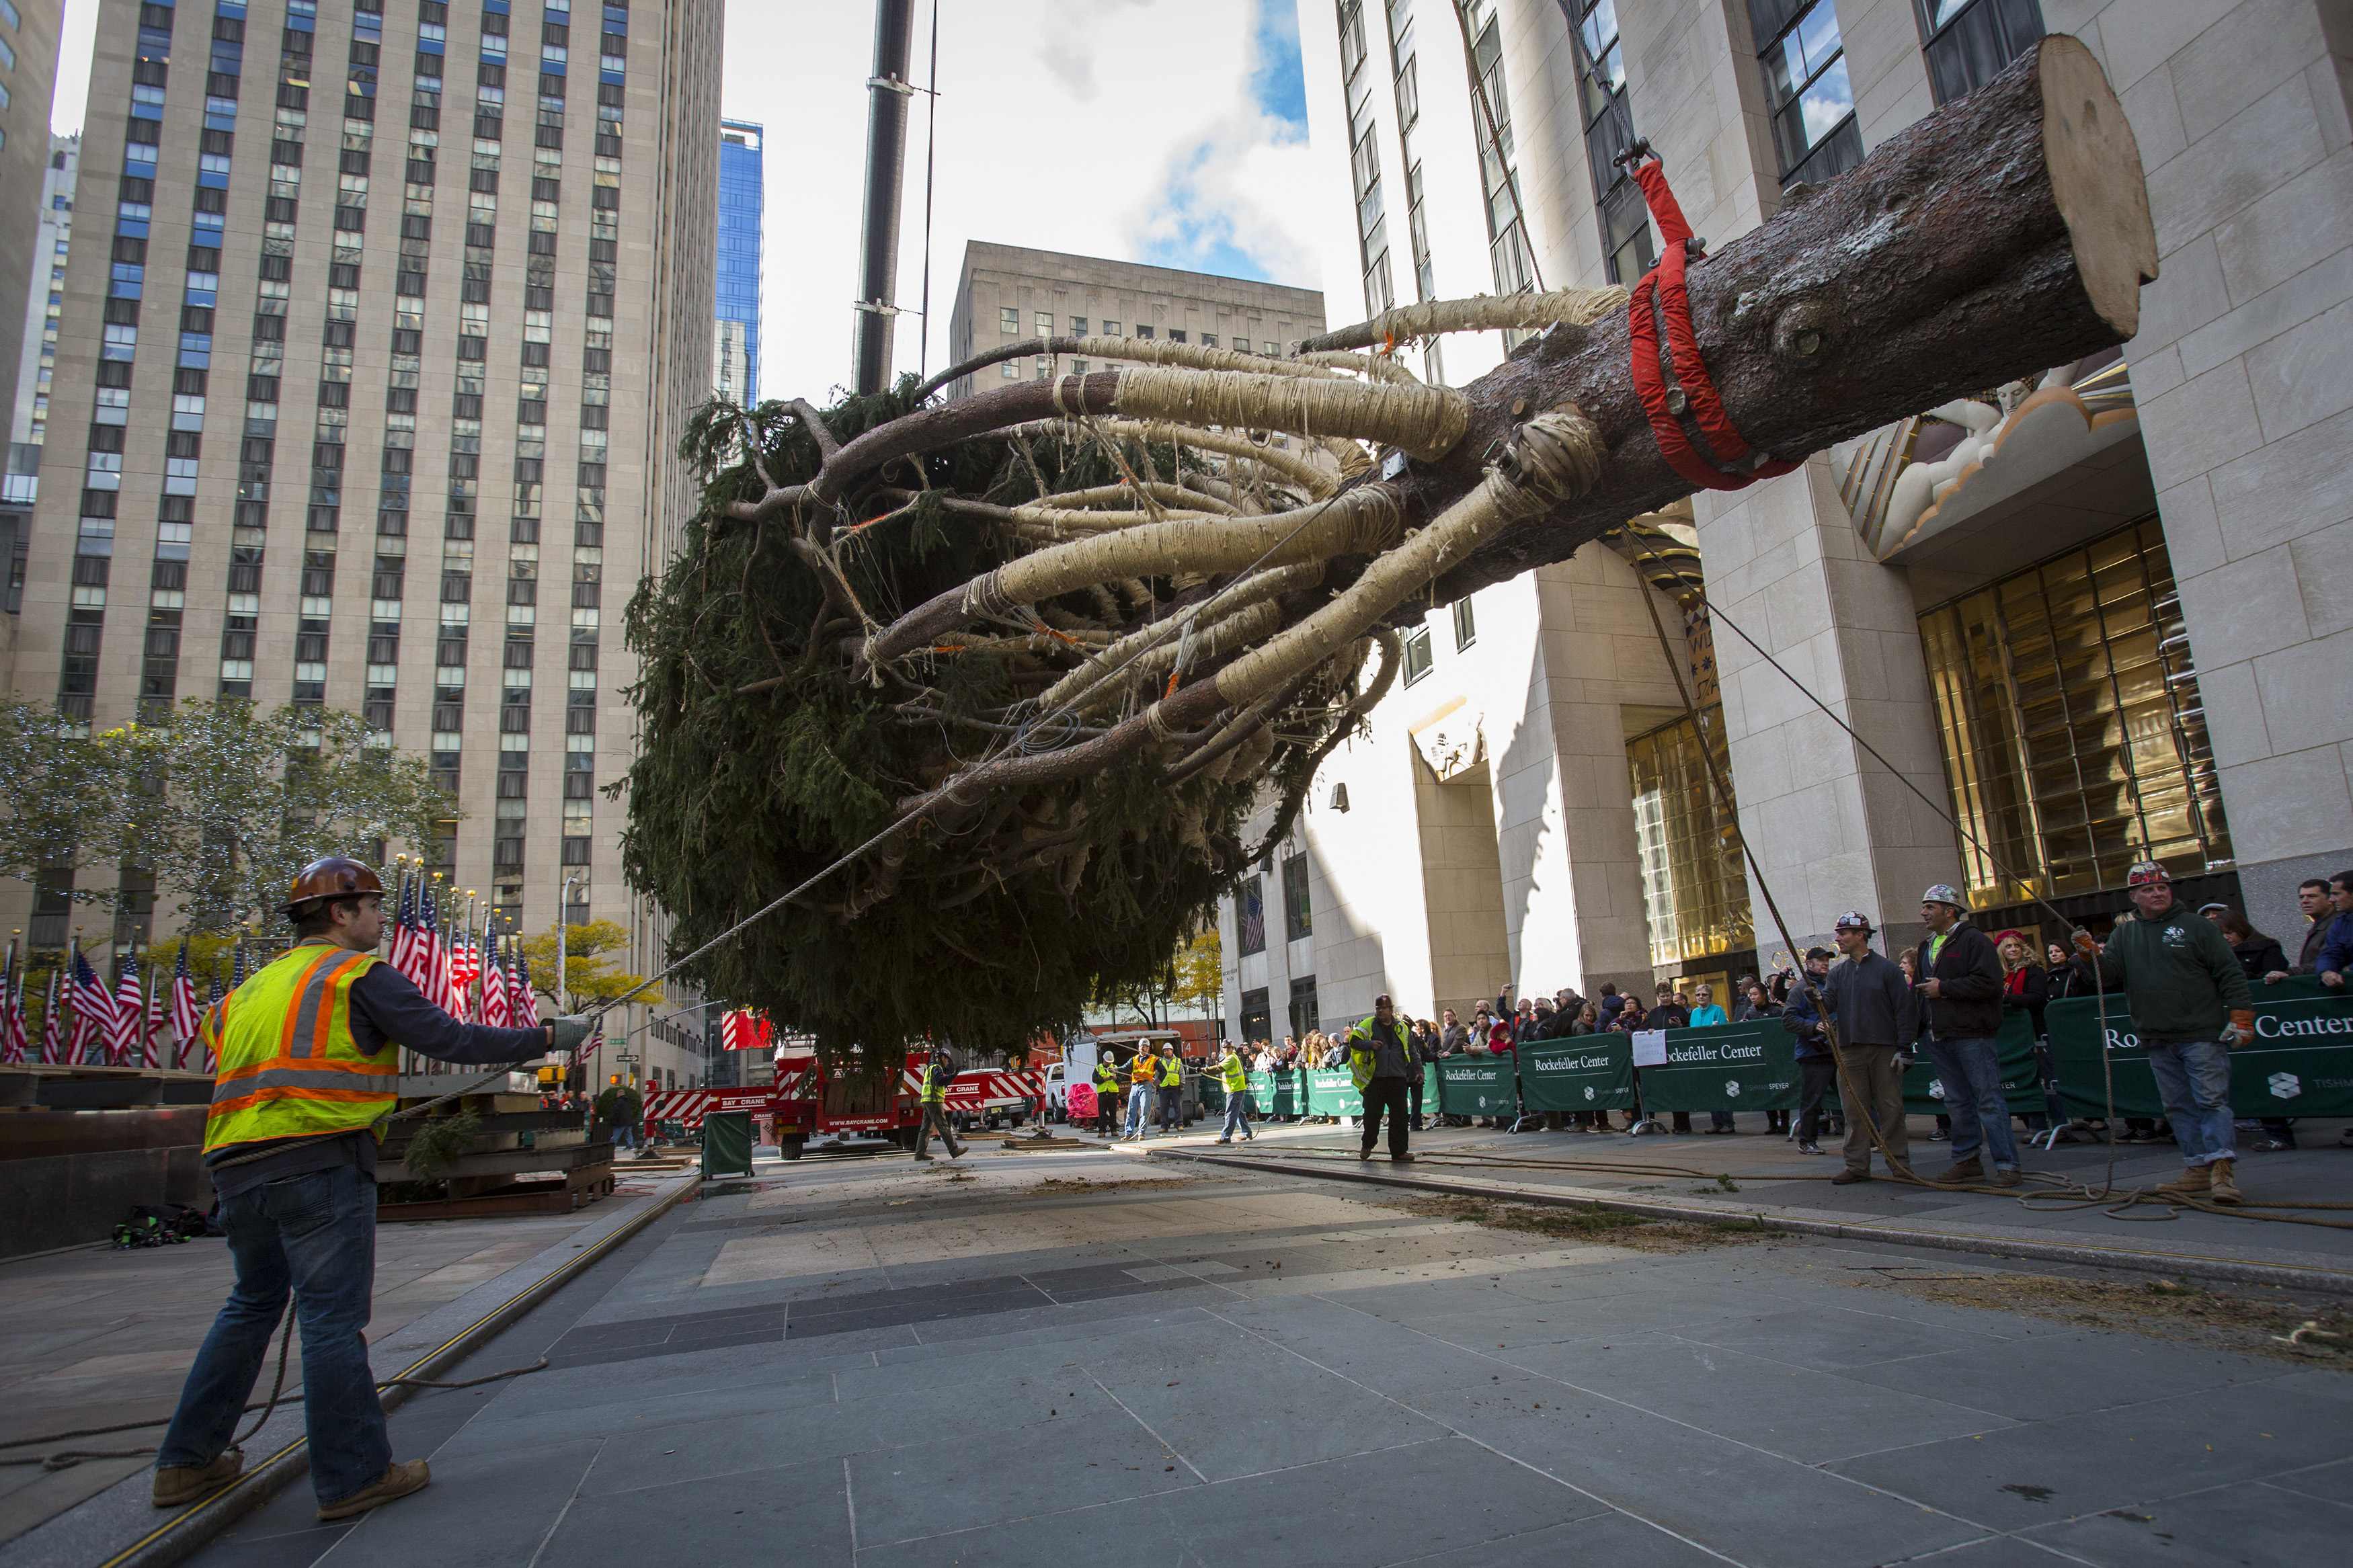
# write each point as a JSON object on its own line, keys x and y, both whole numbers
{"x": 329, "y": 1096}
{"x": 365, "y": 1066}
{"x": 309, "y": 1029}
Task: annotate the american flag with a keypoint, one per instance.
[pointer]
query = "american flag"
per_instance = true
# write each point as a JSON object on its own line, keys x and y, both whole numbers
{"x": 12, "y": 1009}
{"x": 129, "y": 1010}
{"x": 523, "y": 1002}
{"x": 495, "y": 994}
{"x": 93, "y": 1014}
{"x": 53, "y": 1021}
{"x": 440, "y": 977}
{"x": 404, "y": 929}
{"x": 186, "y": 1019}
{"x": 465, "y": 968}
{"x": 159, "y": 1017}
{"x": 212, "y": 1005}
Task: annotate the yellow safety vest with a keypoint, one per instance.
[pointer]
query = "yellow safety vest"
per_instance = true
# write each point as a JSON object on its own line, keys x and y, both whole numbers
{"x": 289, "y": 1065}
{"x": 1106, "y": 1079}
{"x": 1145, "y": 1069}
{"x": 1171, "y": 1072}
{"x": 1360, "y": 1051}
{"x": 936, "y": 1085}
{"x": 1236, "y": 1076}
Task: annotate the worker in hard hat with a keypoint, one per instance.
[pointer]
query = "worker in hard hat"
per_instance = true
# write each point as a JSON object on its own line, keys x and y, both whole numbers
{"x": 310, "y": 1073}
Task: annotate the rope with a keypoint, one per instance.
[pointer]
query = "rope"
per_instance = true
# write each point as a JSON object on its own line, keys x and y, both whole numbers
{"x": 1479, "y": 314}
{"x": 1424, "y": 421}
{"x": 1665, "y": 283}
{"x": 66, "y": 1458}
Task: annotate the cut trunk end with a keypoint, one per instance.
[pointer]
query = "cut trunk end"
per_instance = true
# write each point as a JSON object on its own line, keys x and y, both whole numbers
{"x": 2096, "y": 181}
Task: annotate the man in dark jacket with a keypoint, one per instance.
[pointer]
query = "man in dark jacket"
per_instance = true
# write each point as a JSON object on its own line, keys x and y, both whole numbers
{"x": 1870, "y": 1006}
{"x": 2312, "y": 897}
{"x": 2191, "y": 1005}
{"x": 1816, "y": 1071}
{"x": 2335, "y": 959}
{"x": 1961, "y": 983}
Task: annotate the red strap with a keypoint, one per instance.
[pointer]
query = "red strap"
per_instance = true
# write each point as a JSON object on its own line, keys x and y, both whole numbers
{"x": 1663, "y": 285}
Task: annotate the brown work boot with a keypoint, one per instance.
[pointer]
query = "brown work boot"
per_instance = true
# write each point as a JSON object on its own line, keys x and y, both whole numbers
{"x": 400, "y": 1478}
{"x": 2194, "y": 1182}
{"x": 1849, "y": 1176}
{"x": 176, "y": 1484}
{"x": 1961, "y": 1172}
{"x": 2005, "y": 1176}
{"x": 2221, "y": 1181}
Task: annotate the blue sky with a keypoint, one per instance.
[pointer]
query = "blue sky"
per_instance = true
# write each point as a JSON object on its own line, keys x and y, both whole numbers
{"x": 1196, "y": 232}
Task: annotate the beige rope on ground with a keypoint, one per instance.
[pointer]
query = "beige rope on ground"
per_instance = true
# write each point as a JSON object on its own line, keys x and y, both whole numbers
{"x": 1426, "y": 421}
{"x": 1480, "y": 313}
{"x": 1257, "y": 588}
{"x": 1556, "y": 455}
{"x": 1362, "y": 522}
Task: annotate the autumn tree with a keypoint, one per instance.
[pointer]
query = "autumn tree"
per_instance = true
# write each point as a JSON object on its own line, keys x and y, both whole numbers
{"x": 590, "y": 978}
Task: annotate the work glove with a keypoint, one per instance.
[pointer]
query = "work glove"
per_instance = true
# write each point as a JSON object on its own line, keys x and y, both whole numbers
{"x": 2086, "y": 943}
{"x": 568, "y": 1032}
{"x": 2241, "y": 1030}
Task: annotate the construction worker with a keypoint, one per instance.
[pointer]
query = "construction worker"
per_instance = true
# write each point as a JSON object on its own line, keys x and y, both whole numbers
{"x": 1172, "y": 1092}
{"x": 1143, "y": 1078}
{"x": 1381, "y": 1061}
{"x": 936, "y": 1073}
{"x": 2190, "y": 1007}
{"x": 310, "y": 1073}
{"x": 1236, "y": 1077}
{"x": 1106, "y": 1095}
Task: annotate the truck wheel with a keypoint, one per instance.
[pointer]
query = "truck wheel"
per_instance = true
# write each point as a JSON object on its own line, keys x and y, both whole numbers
{"x": 789, "y": 1148}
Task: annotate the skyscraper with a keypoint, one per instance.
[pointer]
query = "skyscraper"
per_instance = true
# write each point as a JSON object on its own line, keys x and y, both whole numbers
{"x": 396, "y": 429}
{"x": 44, "y": 296}
{"x": 735, "y": 327}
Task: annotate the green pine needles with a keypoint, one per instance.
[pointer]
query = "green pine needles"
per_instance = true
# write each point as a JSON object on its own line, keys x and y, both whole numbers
{"x": 768, "y": 749}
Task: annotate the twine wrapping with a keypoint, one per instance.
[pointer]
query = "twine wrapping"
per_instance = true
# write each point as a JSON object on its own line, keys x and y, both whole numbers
{"x": 1424, "y": 421}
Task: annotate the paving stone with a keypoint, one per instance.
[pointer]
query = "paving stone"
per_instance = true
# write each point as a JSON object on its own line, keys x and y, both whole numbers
{"x": 2063, "y": 1370}
{"x": 1619, "y": 1540}
{"x": 2023, "y": 1475}
{"x": 794, "y": 1513}
{"x": 493, "y": 1510}
{"x": 2208, "y": 1530}
{"x": 928, "y": 1488}
{"x": 1833, "y": 1339}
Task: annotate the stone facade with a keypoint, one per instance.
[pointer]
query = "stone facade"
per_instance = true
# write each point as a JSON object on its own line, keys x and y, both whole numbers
{"x": 385, "y": 414}
{"x": 2243, "y": 398}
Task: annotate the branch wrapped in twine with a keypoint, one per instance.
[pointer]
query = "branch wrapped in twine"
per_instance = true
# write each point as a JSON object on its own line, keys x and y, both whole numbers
{"x": 1556, "y": 455}
{"x": 1259, "y": 587}
{"x": 1379, "y": 367}
{"x": 1480, "y": 313}
{"x": 1295, "y": 467}
{"x": 1109, "y": 495}
{"x": 1425, "y": 421}
{"x": 1195, "y": 356}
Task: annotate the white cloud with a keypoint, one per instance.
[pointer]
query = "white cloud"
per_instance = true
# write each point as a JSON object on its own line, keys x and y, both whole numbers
{"x": 1026, "y": 155}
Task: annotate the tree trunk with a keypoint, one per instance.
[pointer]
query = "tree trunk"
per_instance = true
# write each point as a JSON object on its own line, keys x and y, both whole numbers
{"x": 2005, "y": 234}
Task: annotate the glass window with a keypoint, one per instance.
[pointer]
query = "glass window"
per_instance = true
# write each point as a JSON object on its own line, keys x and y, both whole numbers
{"x": 1305, "y": 1018}
{"x": 2074, "y": 736}
{"x": 1466, "y": 629}
{"x": 1077, "y": 326}
{"x": 1110, "y": 329}
{"x": 1417, "y": 654}
{"x": 1695, "y": 887}
{"x": 1008, "y": 320}
{"x": 1298, "y": 913}
{"x": 1968, "y": 42}
{"x": 1609, "y": 131}
{"x": 1250, "y": 914}
{"x": 1142, "y": 331}
{"x": 1258, "y": 1024}
{"x": 1045, "y": 323}
{"x": 1804, "y": 61}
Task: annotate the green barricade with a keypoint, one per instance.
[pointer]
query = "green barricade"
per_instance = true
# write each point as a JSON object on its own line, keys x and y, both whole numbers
{"x": 1477, "y": 1086}
{"x": 1732, "y": 1067}
{"x": 1275, "y": 1093}
{"x": 1209, "y": 1093}
{"x": 1586, "y": 1072}
{"x": 727, "y": 1143}
{"x": 2301, "y": 1063}
{"x": 1331, "y": 1091}
{"x": 1924, "y": 1094}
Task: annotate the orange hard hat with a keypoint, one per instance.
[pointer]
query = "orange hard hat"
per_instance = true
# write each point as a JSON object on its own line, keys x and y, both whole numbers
{"x": 332, "y": 877}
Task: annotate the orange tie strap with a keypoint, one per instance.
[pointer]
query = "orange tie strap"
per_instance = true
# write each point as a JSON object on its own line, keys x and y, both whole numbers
{"x": 1663, "y": 287}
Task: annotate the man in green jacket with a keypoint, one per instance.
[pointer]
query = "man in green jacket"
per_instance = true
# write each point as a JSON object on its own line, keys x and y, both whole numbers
{"x": 1381, "y": 1061}
{"x": 1235, "y": 1076}
{"x": 2190, "y": 1007}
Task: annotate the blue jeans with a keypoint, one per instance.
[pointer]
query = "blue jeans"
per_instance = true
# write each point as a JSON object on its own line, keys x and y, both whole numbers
{"x": 2194, "y": 1080}
{"x": 316, "y": 1233}
{"x": 1970, "y": 1071}
{"x": 1237, "y": 1112}
{"x": 1139, "y": 1110}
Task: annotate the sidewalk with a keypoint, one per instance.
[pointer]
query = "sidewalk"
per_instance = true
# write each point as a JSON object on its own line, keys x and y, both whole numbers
{"x": 1752, "y": 1174}
{"x": 94, "y": 1337}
